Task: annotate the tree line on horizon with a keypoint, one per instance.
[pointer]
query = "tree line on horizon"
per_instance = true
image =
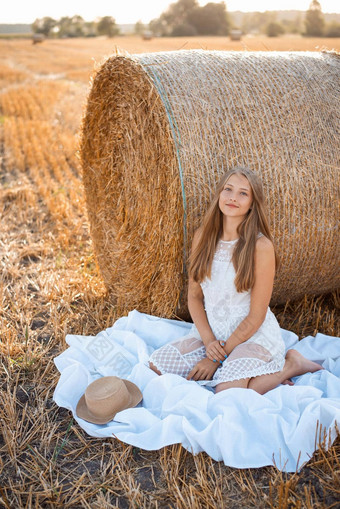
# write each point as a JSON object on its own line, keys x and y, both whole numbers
{"x": 187, "y": 18}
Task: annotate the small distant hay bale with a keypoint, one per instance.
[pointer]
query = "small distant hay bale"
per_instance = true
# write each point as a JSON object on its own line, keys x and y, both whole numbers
{"x": 38, "y": 38}
{"x": 147, "y": 35}
{"x": 235, "y": 35}
{"x": 161, "y": 128}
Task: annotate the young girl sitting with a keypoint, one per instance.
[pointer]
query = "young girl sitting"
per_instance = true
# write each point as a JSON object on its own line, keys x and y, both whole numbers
{"x": 235, "y": 340}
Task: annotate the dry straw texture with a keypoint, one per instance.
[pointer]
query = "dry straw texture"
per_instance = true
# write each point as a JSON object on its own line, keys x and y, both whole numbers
{"x": 159, "y": 130}
{"x": 50, "y": 286}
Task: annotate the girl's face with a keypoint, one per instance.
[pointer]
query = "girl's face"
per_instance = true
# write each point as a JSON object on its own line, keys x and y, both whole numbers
{"x": 236, "y": 197}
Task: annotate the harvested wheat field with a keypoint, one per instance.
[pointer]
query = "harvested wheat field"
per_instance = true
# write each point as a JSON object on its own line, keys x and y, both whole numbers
{"x": 51, "y": 285}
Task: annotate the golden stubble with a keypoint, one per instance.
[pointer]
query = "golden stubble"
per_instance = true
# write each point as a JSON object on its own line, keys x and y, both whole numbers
{"x": 50, "y": 285}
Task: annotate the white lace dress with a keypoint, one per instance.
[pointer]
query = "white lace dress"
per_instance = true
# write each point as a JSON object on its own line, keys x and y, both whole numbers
{"x": 261, "y": 354}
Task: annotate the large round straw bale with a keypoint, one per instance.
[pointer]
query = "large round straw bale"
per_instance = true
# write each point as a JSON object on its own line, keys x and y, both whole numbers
{"x": 161, "y": 128}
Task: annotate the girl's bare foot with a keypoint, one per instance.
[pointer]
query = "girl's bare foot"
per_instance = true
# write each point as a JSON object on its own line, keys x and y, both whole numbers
{"x": 296, "y": 365}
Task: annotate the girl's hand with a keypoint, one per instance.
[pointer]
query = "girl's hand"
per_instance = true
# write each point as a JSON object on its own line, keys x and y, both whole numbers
{"x": 215, "y": 351}
{"x": 204, "y": 370}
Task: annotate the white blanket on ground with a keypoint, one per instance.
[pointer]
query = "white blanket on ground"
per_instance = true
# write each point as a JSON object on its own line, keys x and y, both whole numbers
{"x": 237, "y": 426}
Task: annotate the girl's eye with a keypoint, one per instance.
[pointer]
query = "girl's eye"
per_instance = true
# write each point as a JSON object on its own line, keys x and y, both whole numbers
{"x": 227, "y": 189}
{"x": 245, "y": 194}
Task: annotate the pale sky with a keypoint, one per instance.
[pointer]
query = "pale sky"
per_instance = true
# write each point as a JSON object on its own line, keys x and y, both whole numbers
{"x": 130, "y": 11}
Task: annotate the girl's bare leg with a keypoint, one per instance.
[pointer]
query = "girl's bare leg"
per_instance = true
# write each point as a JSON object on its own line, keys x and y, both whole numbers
{"x": 151, "y": 366}
{"x": 295, "y": 365}
{"x": 242, "y": 384}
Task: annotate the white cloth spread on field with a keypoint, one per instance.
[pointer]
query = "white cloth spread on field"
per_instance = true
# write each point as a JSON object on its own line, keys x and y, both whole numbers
{"x": 263, "y": 353}
{"x": 237, "y": 426}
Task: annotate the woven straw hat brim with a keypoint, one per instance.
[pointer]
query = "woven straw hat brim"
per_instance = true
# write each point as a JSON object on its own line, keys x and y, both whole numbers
{"x": 135, "y": 393}
{"x": 84, "y": 413}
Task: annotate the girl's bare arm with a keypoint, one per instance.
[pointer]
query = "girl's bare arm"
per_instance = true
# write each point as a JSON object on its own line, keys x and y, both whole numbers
{"x": 199, "y": 317}
{"x": 197, "y": 312}
{"x": 196, "y": 306}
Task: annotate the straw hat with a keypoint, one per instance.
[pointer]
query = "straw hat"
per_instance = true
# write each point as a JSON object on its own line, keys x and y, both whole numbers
{"x": 105, "y": 397}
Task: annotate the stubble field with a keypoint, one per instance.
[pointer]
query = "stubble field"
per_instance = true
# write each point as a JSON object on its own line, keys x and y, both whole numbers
{"x": 50, "y": 286}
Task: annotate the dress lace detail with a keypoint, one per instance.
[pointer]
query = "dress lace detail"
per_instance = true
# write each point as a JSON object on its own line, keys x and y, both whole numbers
{"x": 178, "y": 363}
{"x": 261, "y": 354}
{"x": 224, "y": 250}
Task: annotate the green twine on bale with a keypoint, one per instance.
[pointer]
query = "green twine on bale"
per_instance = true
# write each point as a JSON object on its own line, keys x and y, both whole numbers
{"x": 177, "y": 140}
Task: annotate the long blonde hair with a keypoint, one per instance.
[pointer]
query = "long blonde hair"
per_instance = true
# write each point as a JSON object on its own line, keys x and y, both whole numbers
{"x": 211, "y": 231}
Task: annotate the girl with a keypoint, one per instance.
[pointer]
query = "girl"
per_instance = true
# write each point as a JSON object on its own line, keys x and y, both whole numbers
{"x": 235, "y": 340}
